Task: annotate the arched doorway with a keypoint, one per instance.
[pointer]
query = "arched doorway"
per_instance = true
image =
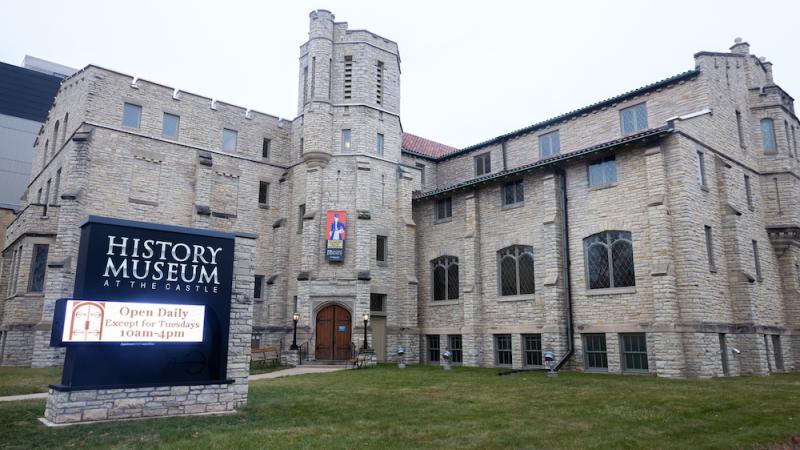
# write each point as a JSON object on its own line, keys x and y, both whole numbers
{"x": 333, "y": 334}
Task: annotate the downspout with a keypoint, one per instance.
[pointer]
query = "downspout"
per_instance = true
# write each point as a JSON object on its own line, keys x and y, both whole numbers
{"x": 566, "y": 270}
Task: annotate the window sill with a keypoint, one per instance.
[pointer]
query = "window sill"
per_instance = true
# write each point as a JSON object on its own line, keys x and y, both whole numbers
{"x": 712, "y": 270}
{"x": 512, "y": 206}
{"x": 382, "y": 263}
{"x": 516, "y": 298}
{"x": 445, "y": 220}
{"x": 263, "y": 206}
{"x": 704, "y": 188}
{"x": 444, "y": 302}
{"x": 596, "y": 370}
{"x": 377, "y": 313}
{"x": 635, "y": 372}
{"x": 601, "y": 187}
{"x": 610, "y": 291}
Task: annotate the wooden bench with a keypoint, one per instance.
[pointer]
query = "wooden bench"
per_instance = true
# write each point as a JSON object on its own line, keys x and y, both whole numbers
{"x": 265, "y": 355}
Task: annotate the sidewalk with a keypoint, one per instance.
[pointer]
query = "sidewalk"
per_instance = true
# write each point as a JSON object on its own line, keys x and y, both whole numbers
{"x": 302, "y": 370}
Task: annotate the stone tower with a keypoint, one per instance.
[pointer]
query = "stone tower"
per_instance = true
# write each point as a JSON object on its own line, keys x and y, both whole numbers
{"x": 347, "y": 137}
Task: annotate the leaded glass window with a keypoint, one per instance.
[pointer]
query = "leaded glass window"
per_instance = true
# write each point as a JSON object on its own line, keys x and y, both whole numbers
{"x": 634, "y": 118}
{"x": 532, "y": 347}
{"x": 769, "y": 142}
{"x": 549, "y": 144}
{"x": 609, "y": 260}
{"x": 634, "y": 352}
{"x": 445, "y": 278}
{"x": 502, "y": 345}
{"x": 513, "y": 193}
{"x": 516, "y": 270}
{"x": 594, "y": 350}
{"x": 444, "y": 208}
{"x": 38, "y": 268}
{"x": 483, "y": 164}
{"x": 603, "y": 172}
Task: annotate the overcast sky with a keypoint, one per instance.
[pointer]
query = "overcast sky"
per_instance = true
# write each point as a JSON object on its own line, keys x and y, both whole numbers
{"x": 471, "y": 70}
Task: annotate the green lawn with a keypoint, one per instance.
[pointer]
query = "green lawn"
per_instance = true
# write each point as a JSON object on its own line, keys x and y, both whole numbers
{"x": 18, "y": 380}
{"x": 425, "y": 407}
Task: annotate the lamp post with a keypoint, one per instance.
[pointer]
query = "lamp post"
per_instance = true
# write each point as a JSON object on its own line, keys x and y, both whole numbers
{"x": 295, "y": 317}
{"x": 366, "y": 319}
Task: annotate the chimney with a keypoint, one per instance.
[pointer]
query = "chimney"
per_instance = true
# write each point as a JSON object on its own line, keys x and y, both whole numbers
{"x": 740, "y": 47}
{"x": 767, "y": 70}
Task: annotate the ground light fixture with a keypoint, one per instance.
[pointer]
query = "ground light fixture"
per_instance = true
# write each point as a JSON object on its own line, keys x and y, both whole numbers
{"x": 447, "y": 357}
{"x": 295, "y": 318}
{"x": 401, "y": 363}
{"x": 549, "y": 359}
{"x": 366, "y": 320}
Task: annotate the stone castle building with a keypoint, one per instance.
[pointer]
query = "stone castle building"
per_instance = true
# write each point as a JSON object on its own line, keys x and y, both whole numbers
{"x": 657, "y": 231}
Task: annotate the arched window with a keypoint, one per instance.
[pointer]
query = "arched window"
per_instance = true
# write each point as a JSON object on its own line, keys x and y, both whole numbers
{"x": 55, "y": 137}
{"x": 445, "y": 278}
{"x": 609, "y": 260}
{"x": 516, "y": 270}
{"x": 46, "y": 149}
{"x": 768, "y": 139}
{"x": 64, "y": 132}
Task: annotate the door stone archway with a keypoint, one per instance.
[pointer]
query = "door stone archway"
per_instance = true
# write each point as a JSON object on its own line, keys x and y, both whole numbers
{"x": 333, "y": 334}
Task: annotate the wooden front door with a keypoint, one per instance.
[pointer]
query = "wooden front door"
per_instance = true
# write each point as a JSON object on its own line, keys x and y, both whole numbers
{"x": 333, "y": 334}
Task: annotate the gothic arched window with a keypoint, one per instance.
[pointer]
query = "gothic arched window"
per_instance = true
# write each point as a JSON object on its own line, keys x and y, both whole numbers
{"x": 768, "y": 139}
{"x": 445, "y": 278}
{"x": 609, "y": 260}
{"x": 515, "y": 264}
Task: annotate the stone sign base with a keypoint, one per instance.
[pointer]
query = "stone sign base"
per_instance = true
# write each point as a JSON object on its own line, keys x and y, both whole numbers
{"x": 95, "y": 405}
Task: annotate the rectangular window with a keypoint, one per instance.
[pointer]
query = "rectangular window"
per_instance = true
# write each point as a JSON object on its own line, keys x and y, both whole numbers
{"x": 302, "y": 146}
{"x": 131, "y": 115}
{"x": 379, "y": 83}
{"x": 170, "y": 125}
{"x": 532, "y": 346}
{"x": 265, "y": 144}
{"x": 788, "y": 139}
{"x": 39, "y": 196}
{"x": 634, "y": 119}
{"x": 594, "y": 350}
{"x": 377, "y": 303}
{"x": 258, "y": 286}
{"x": 549, "y": 145}
{"x": 723, "y": 351}
{"x": 757, "y": 260}
{"x": 433, "y": 348}
{"x": 502, "y": 349}
{"x": 456, "y": 350}
{"x": 513, "y": 193}
{"x": 305, "y": 85}
{"x": 603, "y": 172}
{"x": 421, "y": 168}
{"x": 739, "y": 128}
{"x": 777, "y": 351}
{"x": 295, "y": 304}
{"x": 346, "y": 141}
{"x": 38, "y": 268}
{"x": 301, "y": 212}
{"x": 701, "y": 169}
{"x": 229, "y": 138}
{"x": 379, "y": 144}
{"x": 263, "y": 193}
{"x": 768, "y": 140}
{"x": 444, "y": 208}
{"x": 380, "y": 249}
{"x": 634, "y": 352}
{"x": 710, "y": 249}
{"x": 748, "y": 190}
{"x": 483, "y": 164}
{"x": 46, "y": 196}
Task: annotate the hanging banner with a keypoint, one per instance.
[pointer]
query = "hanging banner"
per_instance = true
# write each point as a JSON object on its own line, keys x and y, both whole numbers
{"x": 336, "y": 234}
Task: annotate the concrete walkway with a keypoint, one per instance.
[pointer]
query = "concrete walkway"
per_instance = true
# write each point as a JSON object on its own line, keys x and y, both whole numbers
{"x": 16, "y": 398}
{"x": 302, "y": 370}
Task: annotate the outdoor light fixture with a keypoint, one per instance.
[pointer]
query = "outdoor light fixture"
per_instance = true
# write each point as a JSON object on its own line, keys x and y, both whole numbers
{"x": 295, "y": 317}
{"x": 401, "y": 351}
{"x": 735, "y": 351}
{"x": 366, "y": 319}
{"x": 447, "y": 356}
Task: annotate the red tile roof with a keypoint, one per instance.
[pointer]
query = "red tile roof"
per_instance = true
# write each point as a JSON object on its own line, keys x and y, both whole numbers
{"x": 425, "y": 147}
